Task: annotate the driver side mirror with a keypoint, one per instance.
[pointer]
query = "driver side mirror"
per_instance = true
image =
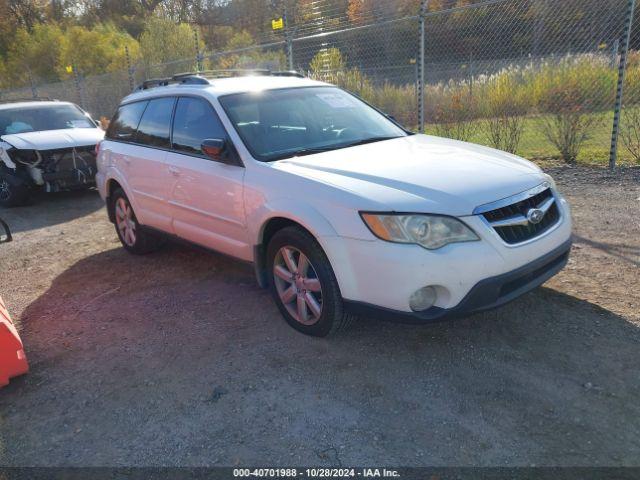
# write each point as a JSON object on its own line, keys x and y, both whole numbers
{"x": 5, "y": 233}
{"x": 218, "y": 150}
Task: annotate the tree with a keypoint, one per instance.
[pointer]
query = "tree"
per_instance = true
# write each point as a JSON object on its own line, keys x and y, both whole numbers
{"x": 164, "y": 40}
{"x": 311, "y": 15}
{"x": 27, "y": 13}
{"x": 34, "y": 55}
{"x": 4, "y": 78}
{"x": 361, "y": 12}
{"x": 124, "y": 14}
{"x": 96, "y": 51}
{"x": 250, "y": 58}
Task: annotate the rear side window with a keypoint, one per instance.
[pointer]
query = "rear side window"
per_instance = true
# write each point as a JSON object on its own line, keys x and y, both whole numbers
{"x": 155, "y": 125}
{"x": 195, "y": 121}
{"x": 125, "y": 123}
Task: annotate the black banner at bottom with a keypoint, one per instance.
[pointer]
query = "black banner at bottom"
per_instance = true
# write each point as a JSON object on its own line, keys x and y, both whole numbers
{"x": 214, "y": 473}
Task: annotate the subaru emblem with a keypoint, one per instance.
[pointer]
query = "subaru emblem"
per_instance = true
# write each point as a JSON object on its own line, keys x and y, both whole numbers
{"x": 535, "y": 215}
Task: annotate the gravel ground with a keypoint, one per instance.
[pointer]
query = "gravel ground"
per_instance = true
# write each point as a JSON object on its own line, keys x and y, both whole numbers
{"x": 178, "y": 358}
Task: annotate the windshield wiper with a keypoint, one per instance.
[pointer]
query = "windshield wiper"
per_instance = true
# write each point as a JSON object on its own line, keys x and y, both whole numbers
{"x": 364, "y": 141}
{"x": 310, "y": 151}
{"x": 302, "y": 152}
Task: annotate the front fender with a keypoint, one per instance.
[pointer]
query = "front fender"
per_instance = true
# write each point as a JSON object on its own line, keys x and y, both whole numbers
{"x": 292, "y": 209}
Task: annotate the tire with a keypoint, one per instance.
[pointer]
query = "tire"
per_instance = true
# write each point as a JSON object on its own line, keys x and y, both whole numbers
{"x": 306, "y": 290}
{"x": 14, "y": 190}
{"x": 133, "y": 238}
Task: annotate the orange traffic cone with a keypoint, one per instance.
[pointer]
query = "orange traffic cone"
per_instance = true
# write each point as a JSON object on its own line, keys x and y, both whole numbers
{"x": 13, "y": 361}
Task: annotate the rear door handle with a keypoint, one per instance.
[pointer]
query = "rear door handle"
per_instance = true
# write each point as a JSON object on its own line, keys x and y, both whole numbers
{"x": 174, "y": 171}
{"x": 126, "y": 159}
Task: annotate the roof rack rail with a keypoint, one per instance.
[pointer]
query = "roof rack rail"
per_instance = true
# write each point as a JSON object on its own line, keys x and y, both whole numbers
{"x": 202, "y": 77}
{"x": 184, "y": 78}
{"x": 230, "y": 72}
{"x": 28, "y": 99}
{"x": 287, "y": 73}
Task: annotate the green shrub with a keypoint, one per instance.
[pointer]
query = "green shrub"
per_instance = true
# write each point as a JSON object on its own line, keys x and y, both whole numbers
{"x": 454, "y": 117}
{"x": 504, "y": 106}
{"x": 327, "y": 65}
{"x": 568, "y": 123}
{"x": 632, "y": 79}
{"x": 630, "y": 132}
{"x": 399, "y": 101}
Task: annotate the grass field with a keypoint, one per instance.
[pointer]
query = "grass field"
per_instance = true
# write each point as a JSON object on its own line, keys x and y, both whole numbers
{"x": 535, "y": 146}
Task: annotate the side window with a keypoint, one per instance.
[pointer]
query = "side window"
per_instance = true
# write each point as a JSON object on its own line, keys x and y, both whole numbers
{"x": 155, "y": 126}
{"x": 195, "y": 121}
{"x": 125, "y": 123}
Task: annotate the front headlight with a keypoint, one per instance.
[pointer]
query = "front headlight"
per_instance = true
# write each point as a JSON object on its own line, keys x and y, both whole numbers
{"x": 429, "y": 231}
{"x": 26, "y": 157}
{"x": 552, "y": 183}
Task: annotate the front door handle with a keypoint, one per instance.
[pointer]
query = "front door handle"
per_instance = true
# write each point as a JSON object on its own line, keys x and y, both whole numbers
{"x": 174, "y": 171}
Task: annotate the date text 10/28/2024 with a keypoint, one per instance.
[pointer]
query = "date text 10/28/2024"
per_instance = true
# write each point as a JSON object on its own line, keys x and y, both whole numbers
{"x": 315, "y": 472}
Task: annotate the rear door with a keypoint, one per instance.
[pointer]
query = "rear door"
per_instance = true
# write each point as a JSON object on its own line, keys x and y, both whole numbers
{"x": 121, "y": 132}
{"x": 206, "y": 197}
{"x": 147, "y": 175}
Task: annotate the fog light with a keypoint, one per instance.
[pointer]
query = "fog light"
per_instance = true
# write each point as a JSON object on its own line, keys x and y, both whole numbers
{"x": 422, "y": 299}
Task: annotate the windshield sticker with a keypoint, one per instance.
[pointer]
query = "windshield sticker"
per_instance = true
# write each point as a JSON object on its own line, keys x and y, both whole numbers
{"x": 77, "y": 123}
{"x": 336, "y": 100}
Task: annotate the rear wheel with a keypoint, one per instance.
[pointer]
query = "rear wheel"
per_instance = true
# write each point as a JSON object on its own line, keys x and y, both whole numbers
{"x": 14, "y": 190}
{"x": 303, "y": 284}
{"x": 132, "y": 236}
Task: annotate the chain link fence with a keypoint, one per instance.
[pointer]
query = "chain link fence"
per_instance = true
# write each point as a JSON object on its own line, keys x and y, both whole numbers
{"x": 540, "y": 78}
{"x": 629, "y": 127}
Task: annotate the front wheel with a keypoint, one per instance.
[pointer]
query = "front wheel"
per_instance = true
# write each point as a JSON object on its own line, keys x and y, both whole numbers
{"x": 14, "y": 190}
{"x": 303, "y": 284}
{"x": 133, "y": 238}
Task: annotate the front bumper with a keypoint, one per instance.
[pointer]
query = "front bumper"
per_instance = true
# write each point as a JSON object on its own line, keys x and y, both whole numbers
{"x": 374, "y": 273}
{"x": 485, "y": 295}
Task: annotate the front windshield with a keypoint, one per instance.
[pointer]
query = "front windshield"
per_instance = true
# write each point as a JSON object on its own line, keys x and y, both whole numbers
{"x": 276, "y": 124}
{"x": 42, "y": 117}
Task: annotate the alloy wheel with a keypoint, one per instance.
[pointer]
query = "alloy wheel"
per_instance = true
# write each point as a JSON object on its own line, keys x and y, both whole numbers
{"x": 5, "y": 191}
{"x": 125, "y": 222}
{"x": 298, "y": 285}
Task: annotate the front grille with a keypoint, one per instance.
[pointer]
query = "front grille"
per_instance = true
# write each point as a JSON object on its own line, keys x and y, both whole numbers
{"x": 522, "y": 230}
{"x": 69, "y": 167}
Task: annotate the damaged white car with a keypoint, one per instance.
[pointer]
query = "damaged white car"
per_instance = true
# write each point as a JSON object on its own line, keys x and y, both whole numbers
{"x": 47, "y": 145}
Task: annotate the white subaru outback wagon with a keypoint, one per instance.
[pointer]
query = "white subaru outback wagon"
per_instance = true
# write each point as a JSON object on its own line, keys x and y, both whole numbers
{"x": 341, "y": 210}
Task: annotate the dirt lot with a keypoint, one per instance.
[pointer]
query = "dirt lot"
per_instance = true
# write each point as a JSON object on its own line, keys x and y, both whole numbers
{"x": 178, "y": 358}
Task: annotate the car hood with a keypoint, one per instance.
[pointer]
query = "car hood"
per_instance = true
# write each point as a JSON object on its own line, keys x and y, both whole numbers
{"x": 420, "y": 173}
{"x": 54, "y": 139}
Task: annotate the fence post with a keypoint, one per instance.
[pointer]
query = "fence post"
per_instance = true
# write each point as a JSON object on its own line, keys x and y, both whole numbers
{"x": 130, "y": 70}
{"x": 622, "y": 68}
{"x": 76, "y": 81}
{"x": 423, "y": 11}
{"x": 34, "y": 89}
{"x": 198, "y": 53}
{"x": 288, "y": 37}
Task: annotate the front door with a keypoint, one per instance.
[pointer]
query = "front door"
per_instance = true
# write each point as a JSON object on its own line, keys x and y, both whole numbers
{"x": 206, "y": 197}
